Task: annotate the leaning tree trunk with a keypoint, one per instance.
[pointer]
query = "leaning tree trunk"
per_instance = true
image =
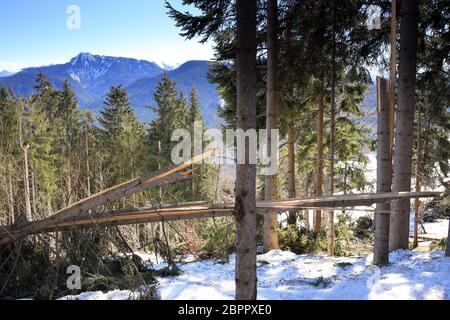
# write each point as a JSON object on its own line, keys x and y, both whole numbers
{"x": 245, "y": 212}
{"x": 292, "y": 219}
{"x": 319, "y": 163}
{"x": 400, "y": 209}
{"x": 270, "y": 217}
{"x": 382, "y": 216}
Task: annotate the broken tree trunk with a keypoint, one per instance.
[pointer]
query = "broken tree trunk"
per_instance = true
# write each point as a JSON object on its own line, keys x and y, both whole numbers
{"x": 345, "y": 201}
{"x": 139, "y": 216}
{"x": 204, "y": 210}
{"x": 123, "y": 190}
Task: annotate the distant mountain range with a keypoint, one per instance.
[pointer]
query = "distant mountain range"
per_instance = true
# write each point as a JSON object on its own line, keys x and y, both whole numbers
{"x": 5, "y": 73}
{"x": 91, "y": 76}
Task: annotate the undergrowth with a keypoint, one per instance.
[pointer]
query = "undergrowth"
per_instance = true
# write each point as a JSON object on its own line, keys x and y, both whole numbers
{"x": 37, "y": 267}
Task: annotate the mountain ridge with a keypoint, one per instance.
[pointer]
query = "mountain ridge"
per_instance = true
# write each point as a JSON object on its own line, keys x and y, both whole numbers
{"x": 5, "y": 73}
{"x": 91, "y": 77}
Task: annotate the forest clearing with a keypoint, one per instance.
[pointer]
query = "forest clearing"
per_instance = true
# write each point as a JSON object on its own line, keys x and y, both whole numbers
{"x": 306, "y": 159}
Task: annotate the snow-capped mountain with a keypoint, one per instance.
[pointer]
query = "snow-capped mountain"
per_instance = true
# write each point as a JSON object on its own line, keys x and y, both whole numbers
{"x": 168, "y": 66}
{"x": 5, "y": 73}
{"x": 91, "y": 77}
{"x": 98, "y": 72}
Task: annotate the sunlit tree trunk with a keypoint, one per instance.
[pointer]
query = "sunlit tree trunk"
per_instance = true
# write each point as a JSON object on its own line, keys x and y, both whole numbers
{"x": 245, "y": 212}
{"x": 270, "y": 217}
{"x": 292, "y": 219}
{"x": 33, "y": 189}
{"x": 11, "y": 194}
{"x": 400, "y": 209}
{"x": 382, "y": 216}
{"x": 26, "y": 175}
{"x": 88, "y": 170}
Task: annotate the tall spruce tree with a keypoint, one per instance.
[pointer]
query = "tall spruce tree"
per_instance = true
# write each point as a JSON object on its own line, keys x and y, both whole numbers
{"x": 168, "y": 117}
{"x": 69, "y": 118}
{"x": 119, "y": 134}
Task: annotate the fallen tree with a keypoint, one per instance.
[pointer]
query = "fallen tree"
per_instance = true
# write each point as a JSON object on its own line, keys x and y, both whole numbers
{"x": 204, "y": 210}
{"x": 126, "y": 189}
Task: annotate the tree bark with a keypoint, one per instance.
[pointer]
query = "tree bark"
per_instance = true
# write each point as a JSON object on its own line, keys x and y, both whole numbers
{"x": 270, "y": 217}
{"x": 69, "y": 183}
{"x": 392, "y": 80}
{"x": 26, "y": 180}
{"x": 88, "y": 170}
{"x": 418, "y": 169}
{"x": 292, "y": 219}
{"x": 33, "y": 189}
{"x": 399, "y": 231}
{"x": 382, "y": 216}
{"x": 26, "y": 176}
{"x": 330, "y": 234}
{"x": 319, "y": 168}
{"x": 11, "y": 194}
{"x": 245, "y": 212}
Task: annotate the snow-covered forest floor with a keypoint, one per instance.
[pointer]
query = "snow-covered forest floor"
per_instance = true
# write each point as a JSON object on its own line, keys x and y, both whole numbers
{"x": 284, "y": 275}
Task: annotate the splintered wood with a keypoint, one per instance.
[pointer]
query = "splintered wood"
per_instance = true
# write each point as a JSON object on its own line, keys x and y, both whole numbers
{"x": 205, "y": 210}
{"x": 126, "y": 189}
{"x": 78, "y": 215}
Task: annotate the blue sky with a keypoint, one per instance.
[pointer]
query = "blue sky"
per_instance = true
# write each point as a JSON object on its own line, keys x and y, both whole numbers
{"x": 35, "y": 32}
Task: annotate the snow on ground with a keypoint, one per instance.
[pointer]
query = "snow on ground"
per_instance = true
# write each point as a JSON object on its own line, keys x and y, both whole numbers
{"x": 98, "y": 295}
{"x": 284, "y": 275}
{"x": 437, "y": 229}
